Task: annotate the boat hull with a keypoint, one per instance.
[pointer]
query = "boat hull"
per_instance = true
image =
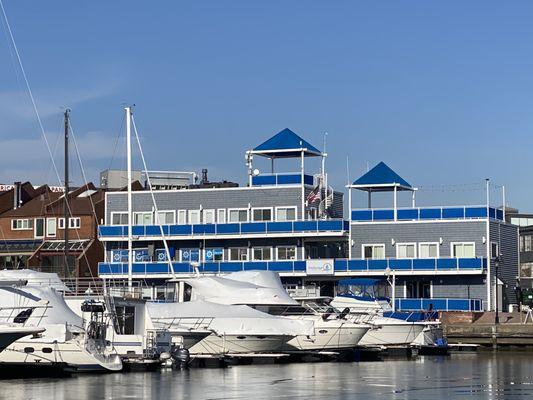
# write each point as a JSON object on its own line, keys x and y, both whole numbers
{"x": 329, "y": 337}
{"x": 239, "y": 344}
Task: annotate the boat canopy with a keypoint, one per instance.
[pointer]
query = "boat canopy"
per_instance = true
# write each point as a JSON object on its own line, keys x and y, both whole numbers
{"x": 34, "y": 278}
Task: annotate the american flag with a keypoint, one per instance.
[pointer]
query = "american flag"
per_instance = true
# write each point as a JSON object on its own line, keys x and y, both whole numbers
{"x": 314, "y": 195}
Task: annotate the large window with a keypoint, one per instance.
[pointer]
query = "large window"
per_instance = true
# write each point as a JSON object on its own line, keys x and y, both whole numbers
{"x": 164, "y": 217}
{"x": 428, "y": 250}
{"x": 463, "y": 250}
{"x": 142, "y": 218}
{"x": 118, "y": 218}
{"x": 189, "y": 255}
{"x": 214, "y": 254}
{"x": 262, "y": 253}
{"x": 182, "y": 217}
{"x": 221, "y": 217}
{"x": 374, "y": 251}
{"x": 238, "y": 215}
{"x": 286, "y": 252}
{"x": 21, "y": 224}
{"x": 238, "y": 254}
{"x": 194, "y": 217}
{"x": 209, "y": 216}
{"x": 526, "y": 243}
{"x": 51, "y": 227}
{"x": 285, "y": 213}
{"x": 405, "y": 250}
{"x": 261, "y": 214}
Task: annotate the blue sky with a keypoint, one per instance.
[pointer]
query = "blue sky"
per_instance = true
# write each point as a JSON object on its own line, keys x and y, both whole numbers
{"x": 440, "y": 91}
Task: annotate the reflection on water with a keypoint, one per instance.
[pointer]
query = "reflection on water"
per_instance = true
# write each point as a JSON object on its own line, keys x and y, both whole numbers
{"x": 485, "y": 375}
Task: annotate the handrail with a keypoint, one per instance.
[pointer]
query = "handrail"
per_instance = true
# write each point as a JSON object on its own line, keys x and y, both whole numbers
{"x": 425, "y": 213}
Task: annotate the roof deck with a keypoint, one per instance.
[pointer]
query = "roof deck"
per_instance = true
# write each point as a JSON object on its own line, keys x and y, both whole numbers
{"x": 426, "y": 213}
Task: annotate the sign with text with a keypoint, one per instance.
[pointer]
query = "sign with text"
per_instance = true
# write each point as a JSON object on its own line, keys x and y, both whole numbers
{"x": 322, "y": 266}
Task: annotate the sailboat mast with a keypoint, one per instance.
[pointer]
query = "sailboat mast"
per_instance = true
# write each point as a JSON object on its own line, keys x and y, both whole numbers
{"x": 66, "y": 208}
{"x": 128, "y": 152}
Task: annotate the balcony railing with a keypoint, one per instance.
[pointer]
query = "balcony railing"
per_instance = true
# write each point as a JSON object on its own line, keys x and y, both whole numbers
{"x": 426, "y": 213}
{"x": 281, "y": 179}
{"x": 238, "y": 228}
{"x": 439, "y": 304}
{"x": 340, "y": 266}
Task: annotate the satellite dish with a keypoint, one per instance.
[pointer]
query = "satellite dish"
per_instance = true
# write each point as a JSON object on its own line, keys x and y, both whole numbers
{"x": 255, "y": 172}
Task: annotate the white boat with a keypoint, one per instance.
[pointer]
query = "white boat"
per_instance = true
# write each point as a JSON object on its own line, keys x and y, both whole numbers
{"x": 64, "y": 344}
{"x": 233, "y": 329}
{"x": 263, "y": 291}
{"x": 10, "y": 333}
{"x": 396, "y": 328}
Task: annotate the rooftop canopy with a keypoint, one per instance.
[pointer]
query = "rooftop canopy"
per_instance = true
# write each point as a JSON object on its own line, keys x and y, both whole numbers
{"x": 381, "y": 178}
{"x": 286, "y": 144}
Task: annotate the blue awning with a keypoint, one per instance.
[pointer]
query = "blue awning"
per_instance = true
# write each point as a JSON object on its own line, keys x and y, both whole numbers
{"x": 381, "y": 178}
{"x": 286, "y": 144}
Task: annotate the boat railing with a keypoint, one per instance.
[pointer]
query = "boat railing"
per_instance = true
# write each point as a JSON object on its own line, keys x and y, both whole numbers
{"x": 191, "y": 323}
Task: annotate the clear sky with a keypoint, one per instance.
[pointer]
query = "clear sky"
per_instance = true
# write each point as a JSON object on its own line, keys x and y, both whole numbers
{"x": 440, "y": 91}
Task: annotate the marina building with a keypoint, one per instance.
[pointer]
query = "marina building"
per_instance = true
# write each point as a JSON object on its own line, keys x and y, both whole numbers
{"x": 294, "y": 223}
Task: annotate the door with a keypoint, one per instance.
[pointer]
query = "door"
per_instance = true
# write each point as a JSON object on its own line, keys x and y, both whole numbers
{"x": 38, "y": 228}
{"x": 51, "y": 227}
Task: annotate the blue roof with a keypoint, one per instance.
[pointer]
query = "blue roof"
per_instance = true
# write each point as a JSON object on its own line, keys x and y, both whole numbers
{"x": 381, "y": 175}
{"x": 282, "y": 142}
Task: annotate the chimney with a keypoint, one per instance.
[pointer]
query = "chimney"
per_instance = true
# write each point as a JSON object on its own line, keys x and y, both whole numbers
{"x": 204, "y": 176}
{"x": 17, "y": 195}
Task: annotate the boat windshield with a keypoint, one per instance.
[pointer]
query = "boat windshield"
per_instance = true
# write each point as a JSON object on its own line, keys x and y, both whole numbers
{"x": 363, "y": 288}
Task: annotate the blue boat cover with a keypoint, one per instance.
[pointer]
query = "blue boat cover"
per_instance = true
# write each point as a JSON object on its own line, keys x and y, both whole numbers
{"x": 381, "y": 174}
{"x": 277, "y": 145}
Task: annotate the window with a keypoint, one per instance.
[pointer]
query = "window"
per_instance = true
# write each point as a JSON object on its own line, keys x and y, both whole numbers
{"x": 209, "y": 216}
{"x": 286, "y": 252}
{"x": 285, "y": 213}
{"x": 39, "y": 228}
{"x": 525, "y": 243}
{"x": 405, "y": 250}
{"x": 51, "y": 227}
{"x": 214, "y": 254}
{"x": 164, "y": 217}
{"x": 119, "y": 218}
{"x": 189, "y": 255}
{"x": 221, "y": 217}
{"x": 74, "y": 223}
{"x": 262, "y": 253}
{"x": 238, "y": 254}
{"x": 194, "y": 217}
{"x": 142, "y": 218}
{"x": 526, "y": 270}
{"x": 428, "y": 250}
{"x": 182, "y": 217}
{"x": 21, "y": 224}
{"x": 261, "y": 214}
{"x": 238, "y": 215}
{"x": 463, "y": 250}
{"x": 494, "y": 250}
{"x": 374, "y": 251}
{"x": 61, "y": 223}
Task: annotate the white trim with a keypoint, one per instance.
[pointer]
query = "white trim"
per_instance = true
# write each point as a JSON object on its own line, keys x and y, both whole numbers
{"x": 194, "y": 212}
{"x": 72, "y": 223}
{"x": 272, "y": 216}
{"x": 113, "y": 213}
{"x": 228, "y": 219}
{"x": 262, "y": 247}
{"x": 211, "y": 211}
{"x": 165, "y": 211}
{"x": 295, "y": 208}
{"x": 61, "y": 223}
{"x": 497, "y": 249}
{"x": 373, "y": 245}
{"x": 462, "y": 243}
{"x": 140, "y": 193}
{"x": 28, "y": 228}
{"x": 425, "y": 221}
{"x": 406, "y": 244}
{"x": 184, "y": 214}
{"x": 422, "y": 243}
{"x": 287, "y": 247}
{"x": 239, "y": 247}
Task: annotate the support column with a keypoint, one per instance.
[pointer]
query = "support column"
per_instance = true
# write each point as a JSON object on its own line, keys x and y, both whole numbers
{"x": 395, "y": 203}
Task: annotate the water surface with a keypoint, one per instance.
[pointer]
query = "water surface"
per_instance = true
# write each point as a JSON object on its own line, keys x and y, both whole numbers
{"x": 485, "y": 375}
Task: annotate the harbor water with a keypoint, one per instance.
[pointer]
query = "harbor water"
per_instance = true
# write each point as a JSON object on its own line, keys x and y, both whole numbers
{"x": 484, "y": 375}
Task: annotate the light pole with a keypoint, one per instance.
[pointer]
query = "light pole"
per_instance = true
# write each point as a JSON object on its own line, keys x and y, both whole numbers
{"x": 497, "y": 262}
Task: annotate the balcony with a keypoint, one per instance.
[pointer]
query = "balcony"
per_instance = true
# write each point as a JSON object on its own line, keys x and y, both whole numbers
{"x": 439, "y": 304}
{"x": 281, "y": 179}
{"x": 426, "y": 213}
{"x": 341, "y": 267}
{"x": 337, "y": 227}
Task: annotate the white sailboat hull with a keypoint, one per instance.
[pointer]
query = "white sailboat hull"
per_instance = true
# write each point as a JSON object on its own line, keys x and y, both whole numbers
{"x": 239, "y": 344}
{"x": 392, "y": 334}
{"x": 329, "y": 337}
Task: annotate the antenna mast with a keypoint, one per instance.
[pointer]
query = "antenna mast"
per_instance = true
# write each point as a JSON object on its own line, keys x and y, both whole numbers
{"x": 66, "y": 211}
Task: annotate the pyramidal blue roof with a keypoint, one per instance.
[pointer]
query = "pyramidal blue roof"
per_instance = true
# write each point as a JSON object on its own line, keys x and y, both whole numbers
{"x": 382, "y": 176}
{"x": 281, "y": 144}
